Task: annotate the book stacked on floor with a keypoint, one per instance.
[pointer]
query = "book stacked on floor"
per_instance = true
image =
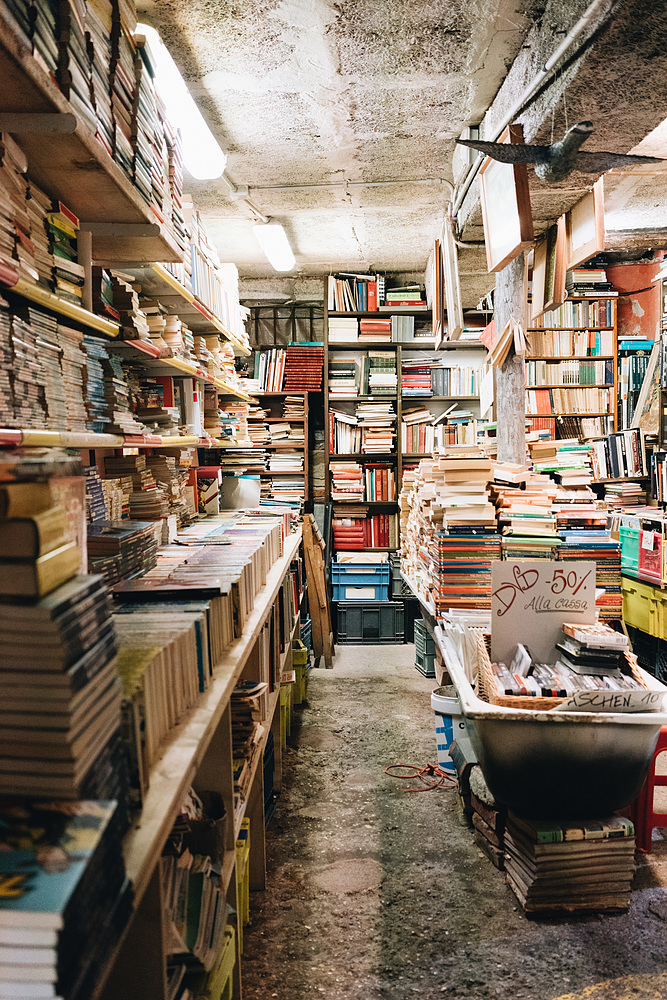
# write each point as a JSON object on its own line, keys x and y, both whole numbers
{"x": 567, "y": 865}
{"x": 65, "y": 861}
{"x": 370, "y": 531}
{"x": 461, "y": 574}
{"x": 526, "y": 518}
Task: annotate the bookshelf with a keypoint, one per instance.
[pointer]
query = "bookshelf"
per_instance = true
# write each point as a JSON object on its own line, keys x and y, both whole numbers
{"x": 75, "y": 166}
{"x": 468, "y": 353}
{"x": 271, "y": 401}
{"x": 582, "y": 332}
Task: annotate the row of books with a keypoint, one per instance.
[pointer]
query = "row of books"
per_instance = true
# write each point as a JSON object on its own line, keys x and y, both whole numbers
{"x": 596, "y": 313}
{"x": 563, "y": 426}
{"x": 370, "y": 292}
{"x": 588, "y": 343}
{"x": 373, "y": 373}
{"x": 570, "y": 372}
{"x": 423, "y": 377}
{"x": 353, "y": 482}
{"x": 370, "y": 430}
{"x": 365, "y": 531}
{"x": 619, "y": 456}
{"x": 296, "y": 368}
{"x": 570, "y": 400}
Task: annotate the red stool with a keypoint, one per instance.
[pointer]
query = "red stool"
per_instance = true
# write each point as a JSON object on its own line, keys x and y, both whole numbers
{"x": 642, "y": 809}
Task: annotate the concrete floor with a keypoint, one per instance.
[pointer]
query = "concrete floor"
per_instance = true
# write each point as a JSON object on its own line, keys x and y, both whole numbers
{"x": 375, "y": 893}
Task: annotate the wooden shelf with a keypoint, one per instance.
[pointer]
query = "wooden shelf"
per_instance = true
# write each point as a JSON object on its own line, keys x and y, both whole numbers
{"x": 354, "y": 456}
{"x": 88, "y": 439}
{"x": 74, "y": 166}
{"x": 158, "y": 283}
{"x": 370, "y": 548}
{"x": 141, "y": 352}
{"x": 605, "y": 385}
{"x": 277, "y": 420}
{"x": 448, "y": 345}
{"x": 282, "y": 447}
{"x": 622, "y": 479}
{"x": 184, "y": 750}
{"x": 46, "y": 299}
{"x": 239, "y": 814}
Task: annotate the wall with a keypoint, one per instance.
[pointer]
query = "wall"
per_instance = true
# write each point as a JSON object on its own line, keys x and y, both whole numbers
{"x": 638, "y": 315}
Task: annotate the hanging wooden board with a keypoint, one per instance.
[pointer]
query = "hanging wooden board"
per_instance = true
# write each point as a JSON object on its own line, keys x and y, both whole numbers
{"x": 318, "y": 598}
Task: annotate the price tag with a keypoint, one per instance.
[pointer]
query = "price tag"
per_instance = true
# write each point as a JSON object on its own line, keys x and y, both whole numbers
{"x": 648, "y": 540}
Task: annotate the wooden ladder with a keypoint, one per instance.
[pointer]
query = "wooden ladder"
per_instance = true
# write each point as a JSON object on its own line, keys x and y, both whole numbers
{"x": 318, "y": 598}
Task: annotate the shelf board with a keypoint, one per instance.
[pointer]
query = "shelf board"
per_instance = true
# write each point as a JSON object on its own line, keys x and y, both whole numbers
{"x": 186, "y": 746}
{"x": 568, "y": 357}
{"x": 46, "y": 299}
{"x": 622, "y": 479}
{"x": 88, "y": 439}
{"x": 282, "y": 447}
{"x": 434, "y": 399}
{"x": 369, "y": 548}
{"x": 354, "y": 456}
{"x": 143, "y": 353}
{"x": 576, "y": 386}
{"x": 382, "y": 312}
{"x": 74, "y": 166}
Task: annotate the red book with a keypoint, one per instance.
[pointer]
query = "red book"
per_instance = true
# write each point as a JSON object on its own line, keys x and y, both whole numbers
{"x": 331, "y": 433}
{"x": 372, "y": 296}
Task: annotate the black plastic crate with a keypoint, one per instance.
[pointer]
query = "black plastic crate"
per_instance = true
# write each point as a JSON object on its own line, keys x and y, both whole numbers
{"x": 370, "y": 624}
{"x": 646, "y": 648}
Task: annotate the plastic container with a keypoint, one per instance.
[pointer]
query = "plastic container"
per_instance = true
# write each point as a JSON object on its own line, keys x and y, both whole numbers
{"x": 449, "y": 725}
{"x": 375, "y": 624}
{"x": 425, "y": 663}
{"x": 343, "y": 592}
{"x": 629, "y": 548}
{"x": 239, "y": 492}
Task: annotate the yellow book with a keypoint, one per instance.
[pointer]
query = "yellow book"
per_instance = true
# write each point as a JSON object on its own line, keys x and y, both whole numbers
{"x": 31, "y": 537}
{"x": 38, "y": 577}
{"x": 24, "y": 499}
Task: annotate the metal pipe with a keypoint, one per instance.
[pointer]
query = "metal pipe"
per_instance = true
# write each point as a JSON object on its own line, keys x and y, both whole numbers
{"x": 528, "y": 93}
{"x": 332, "y": 185}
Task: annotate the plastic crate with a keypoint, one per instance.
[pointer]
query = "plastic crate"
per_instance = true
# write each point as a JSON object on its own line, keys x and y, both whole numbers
{"x": 650, "y": 552}
{"x": 629, "y": 548}
{"x": 371, "y": 624}
{"x": 344, "y": 592}
{"x": 243, "y": 877}
{"x": 424, "y": 643}
{"x": 285, "y": 713}
{"x": 360, "y": 574}
{"x": 399, "y": 587}
{"x": 425, "y": 664}
{"x": 220, "y": 981}
{"x": 643, "y": 607}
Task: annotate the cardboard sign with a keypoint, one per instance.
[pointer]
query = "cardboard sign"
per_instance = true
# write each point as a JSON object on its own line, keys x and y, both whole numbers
{"x": 613, "y": 701}
{"x": 531, "y": 599}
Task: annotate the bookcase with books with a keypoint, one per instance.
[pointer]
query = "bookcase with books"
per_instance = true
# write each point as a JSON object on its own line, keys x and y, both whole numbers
{"x": 389, "y": 399}
{"x": 572, "y": 371}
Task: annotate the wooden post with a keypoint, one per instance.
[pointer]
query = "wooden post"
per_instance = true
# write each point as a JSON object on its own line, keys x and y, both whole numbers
{"x": 510, "y": 384}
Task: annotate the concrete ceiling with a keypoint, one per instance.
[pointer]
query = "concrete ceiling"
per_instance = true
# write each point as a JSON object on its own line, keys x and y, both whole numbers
{"x": 308, "y": 92}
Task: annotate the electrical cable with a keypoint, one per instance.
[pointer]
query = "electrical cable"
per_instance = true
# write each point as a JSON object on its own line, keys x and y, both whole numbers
{"x": 425, "y": 773}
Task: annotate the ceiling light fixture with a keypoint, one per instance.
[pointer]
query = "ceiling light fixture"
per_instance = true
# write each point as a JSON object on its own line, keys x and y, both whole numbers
{"x": 201, "y": 152}
{"x": 273, "y": 240}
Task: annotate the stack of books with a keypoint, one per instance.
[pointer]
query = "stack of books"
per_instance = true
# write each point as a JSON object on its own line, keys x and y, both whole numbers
{"x": 587, "y": 281}
{"x": 66, "y": 863}
{"x": 359, "y": 532}
{"x": 378, "y": 427}
{"x": 461, "y": 574}
{"x": 98, "y": 36}
{"x": 286, "y": 461}
{"x": 560, "y": 865}
{"x": 380, "y": 482}
{"x": 294, "y": 408}
{"x": 380, "y": 374}
{"x": 148, "y": 501}
{"x": 605, "y": 551}
{"x": 343, "y": 378}
{"x": 416, "y": 377}
{"x": 122, "y": 550}
{"x": 408, "y": 297}
{"x": 304, "y": 366}
{"x": 347, "y": 481}
{"x": 374, "y": 330}
{"x": 344, "y": 435}
{"x": 61, "y": 228}
{"x": 343, "y": 330}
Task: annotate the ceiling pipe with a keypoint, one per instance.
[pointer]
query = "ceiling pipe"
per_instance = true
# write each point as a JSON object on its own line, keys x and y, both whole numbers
{"x": 537, "y": 82}
{"x": 333, "y": 185}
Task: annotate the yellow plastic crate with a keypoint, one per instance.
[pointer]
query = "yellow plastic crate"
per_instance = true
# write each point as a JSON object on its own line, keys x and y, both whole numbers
{"x": 299, "y": 654}
{"x": 301, "y": 682}
{"x": 243, "y": 877}
{"x": 641, "y": 607}
{"x": 285, "y": 713}
{"x": 220, "y": 982}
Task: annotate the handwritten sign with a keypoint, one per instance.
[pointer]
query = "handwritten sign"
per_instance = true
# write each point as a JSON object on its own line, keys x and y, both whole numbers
{"x": 531, "y": 599}
{"x": 613, "y": 701}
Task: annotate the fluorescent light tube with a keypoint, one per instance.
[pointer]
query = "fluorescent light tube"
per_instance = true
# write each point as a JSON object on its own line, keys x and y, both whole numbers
{"x": 201, "y": 152}
{"x": 273, "y": 240}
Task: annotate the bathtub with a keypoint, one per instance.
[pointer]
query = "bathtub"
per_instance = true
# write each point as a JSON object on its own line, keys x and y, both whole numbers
{"x": 564, "y": 764}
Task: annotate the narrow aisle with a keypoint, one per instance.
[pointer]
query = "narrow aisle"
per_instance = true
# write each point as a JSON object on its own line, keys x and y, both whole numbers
{"x": 375, "y": 893}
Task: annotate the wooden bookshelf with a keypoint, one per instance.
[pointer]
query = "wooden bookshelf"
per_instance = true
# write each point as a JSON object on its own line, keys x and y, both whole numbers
{"x": 199, "y": 752}
{"x": 47, "y": 300}
{"x": 157, "y": 282}
{"x": 75, "y": 167}
{"x": 268, "y": 399}
{"x": 143, "y": 353}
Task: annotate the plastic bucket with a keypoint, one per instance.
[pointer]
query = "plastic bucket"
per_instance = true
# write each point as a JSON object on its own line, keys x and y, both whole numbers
{"x": 449, "y": 724}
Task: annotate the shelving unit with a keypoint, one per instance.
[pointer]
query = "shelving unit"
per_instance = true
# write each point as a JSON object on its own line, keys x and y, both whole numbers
{"x": 361, "y": 347}
{"x": 75, "y": 167}
{"x": 277, "y": 397}
{"x": 613, "y": 357}
{"x": 42, "y": 297}
{"x": 199, "y": 753}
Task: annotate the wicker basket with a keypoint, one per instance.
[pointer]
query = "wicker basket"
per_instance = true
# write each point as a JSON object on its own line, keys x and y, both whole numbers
{"x": 488, "y": 689}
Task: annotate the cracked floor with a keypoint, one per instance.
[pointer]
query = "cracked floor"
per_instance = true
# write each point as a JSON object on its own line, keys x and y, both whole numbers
{"x": 373, "y": 893}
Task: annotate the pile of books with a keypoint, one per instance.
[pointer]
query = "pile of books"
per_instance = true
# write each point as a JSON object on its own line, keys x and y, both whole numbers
{"x": 376, "y": 330}
{"x": 294, "y": 408}
{"x": 286, "y": 461}
{"x": 409, "y": 297}
{"x": 347, "y": 481}
{"x": 148, "y": 500}
{"x": 122, "y": 550}
{"x": 344, "y": 377}
{"x": 343, "y": 330}
{"x": 380, "y": 481}
{"x": 570, "y": 866}
{"x": 359, "y": 532}
{"x": 377, "y": 422}
{"x": 605, "y": 551}
{"x": 379, "y": 375}
{"x": 67, "y": 859}
{"x": 526, "y": 518}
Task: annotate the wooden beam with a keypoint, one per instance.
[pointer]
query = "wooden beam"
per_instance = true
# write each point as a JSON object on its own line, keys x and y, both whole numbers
{"x": 36, "y": 123}
{"x": 510, "y": 384}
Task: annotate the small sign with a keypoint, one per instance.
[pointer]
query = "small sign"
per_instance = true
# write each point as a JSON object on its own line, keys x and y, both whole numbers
{"x": 648, "y": 540}
{"x": 531, "y": 599}
{"x": 613, "y": 701}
